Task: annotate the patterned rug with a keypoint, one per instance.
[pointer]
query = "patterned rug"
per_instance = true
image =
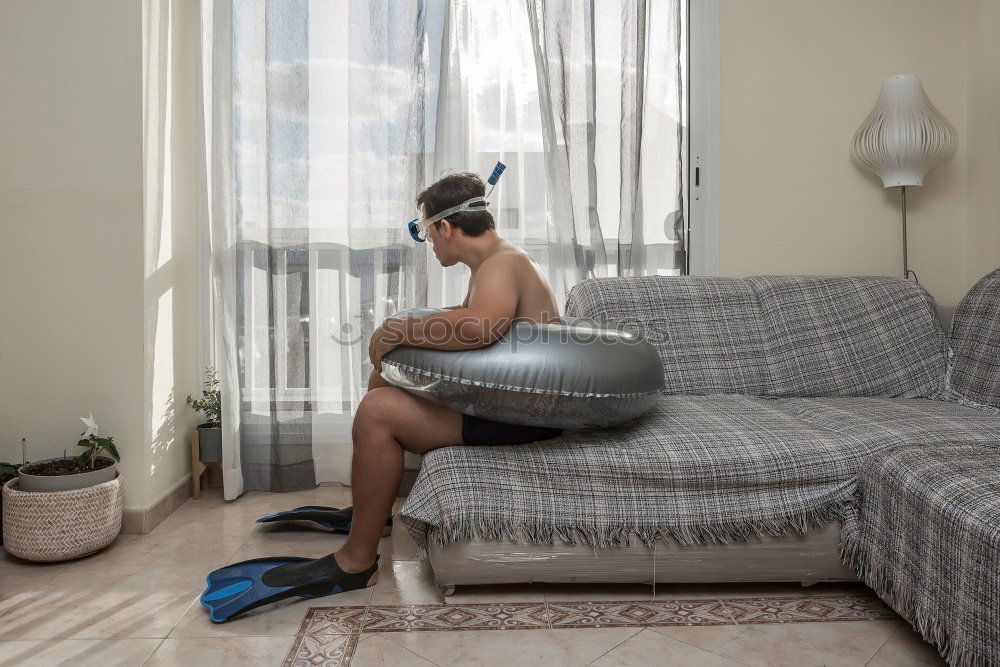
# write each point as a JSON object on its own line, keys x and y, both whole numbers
{"x": 329, "y": 635}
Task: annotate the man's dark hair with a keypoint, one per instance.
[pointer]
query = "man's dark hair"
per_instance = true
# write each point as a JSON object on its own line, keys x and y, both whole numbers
{"x": 452, "y": 190}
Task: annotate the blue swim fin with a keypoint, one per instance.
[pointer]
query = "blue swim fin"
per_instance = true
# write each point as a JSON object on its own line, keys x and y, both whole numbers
{"x": 240, "y": 587}
{"x": 313, "y": 516}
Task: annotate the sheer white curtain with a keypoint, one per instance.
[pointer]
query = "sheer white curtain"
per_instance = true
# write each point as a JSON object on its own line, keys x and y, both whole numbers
{"x": 325, "y": 119}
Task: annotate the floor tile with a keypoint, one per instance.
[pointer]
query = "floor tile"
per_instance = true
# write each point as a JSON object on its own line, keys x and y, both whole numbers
{"x": 334, "y": 620}
{"x": 17, "y": 582}
{"x": 686, "y": 592}
{"x": 588, "y": 613}
{"x": 257, "y": 503}
{"x": 77, "y": 652}
{"x": 746, "y": 611}
{"x": 786, "y": 589}
{"x": 799, "y": 644}
{"x": 287, "y": 541}
{"x": 569, "y": 592}
{"x": 325, "y": 650}
{"x": 123, "y": 601}
{"x": 10, "y": 560}
{"x": 906, "y": 648}
{"x": 376, "y": 650}
{"x": 550, "y": 648}
{"x": 400, "y": 546}
{"x": 234, "y": 651}
{"x": 406, "y": 582}
{"x": 281, "y": 618}
{"x": 651, "y": 648}
{"x": 450, "y": 618}
{"x": 207, "y": 542}
{"x": 498, "y": 593}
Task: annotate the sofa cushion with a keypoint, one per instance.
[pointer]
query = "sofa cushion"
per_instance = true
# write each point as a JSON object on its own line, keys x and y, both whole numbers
{"x": 880, "y": 423}
{"x": 866, "y": 336}
{"x": 695, "y": 468}
{"x": 975, "y": 343}
{"x": 707, "y": 331}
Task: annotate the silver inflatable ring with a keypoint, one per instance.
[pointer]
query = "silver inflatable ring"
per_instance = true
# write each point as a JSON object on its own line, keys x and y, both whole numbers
{"x": 574, "y": 374}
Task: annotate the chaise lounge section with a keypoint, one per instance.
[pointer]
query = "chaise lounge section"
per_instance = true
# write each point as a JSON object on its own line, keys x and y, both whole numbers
{"x": 924, "y": 530}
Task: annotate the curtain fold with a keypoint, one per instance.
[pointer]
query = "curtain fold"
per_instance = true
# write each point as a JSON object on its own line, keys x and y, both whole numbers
{"x": 323, "y": 121}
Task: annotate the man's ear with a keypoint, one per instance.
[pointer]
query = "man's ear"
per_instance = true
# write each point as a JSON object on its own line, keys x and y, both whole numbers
{"x": 446, "y": 228}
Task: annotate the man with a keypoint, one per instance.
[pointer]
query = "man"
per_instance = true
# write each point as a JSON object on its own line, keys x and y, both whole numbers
{"x": 505, "y": 285}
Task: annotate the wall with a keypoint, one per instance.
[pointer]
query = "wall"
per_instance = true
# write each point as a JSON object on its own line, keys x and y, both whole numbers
{"x": 98, "y": 295}
{"x": 171, "y": 360}
{"x": 71, "y": 214}
{"x": 797, "y": 79}
{"x": 983, "y": 125}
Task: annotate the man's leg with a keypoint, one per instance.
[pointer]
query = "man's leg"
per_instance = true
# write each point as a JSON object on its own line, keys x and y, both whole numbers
{"x": 388, "y": 421}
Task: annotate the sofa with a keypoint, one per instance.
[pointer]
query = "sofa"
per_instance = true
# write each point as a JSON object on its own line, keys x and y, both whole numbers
{"x": 777, "y": 389}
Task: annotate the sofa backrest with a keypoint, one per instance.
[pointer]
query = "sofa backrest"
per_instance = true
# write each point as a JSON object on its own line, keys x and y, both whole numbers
{"x": 707, "y": 331}
{"x": 975, "y": 343}
{"x": 778, "y": 335}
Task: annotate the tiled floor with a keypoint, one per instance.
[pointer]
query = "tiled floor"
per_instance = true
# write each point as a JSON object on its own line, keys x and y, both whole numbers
{"x": 135, "y": 603}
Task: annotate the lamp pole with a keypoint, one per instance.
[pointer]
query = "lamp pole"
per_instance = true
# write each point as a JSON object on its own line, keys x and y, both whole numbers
{"x": 906, "y": 264}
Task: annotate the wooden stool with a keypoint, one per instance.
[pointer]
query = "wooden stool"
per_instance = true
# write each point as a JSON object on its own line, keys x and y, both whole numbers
{"x": 199, "y": 470}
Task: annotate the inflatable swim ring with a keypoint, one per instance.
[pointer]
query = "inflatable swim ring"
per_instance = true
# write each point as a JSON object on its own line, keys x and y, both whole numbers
{"x": 572, "y": 374}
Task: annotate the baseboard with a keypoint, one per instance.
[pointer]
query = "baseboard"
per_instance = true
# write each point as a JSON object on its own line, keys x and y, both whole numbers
{"x": 141, "y": 521}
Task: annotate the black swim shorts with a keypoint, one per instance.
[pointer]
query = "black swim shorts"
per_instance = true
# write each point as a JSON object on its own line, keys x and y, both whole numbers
{"x": 479, "y": 431}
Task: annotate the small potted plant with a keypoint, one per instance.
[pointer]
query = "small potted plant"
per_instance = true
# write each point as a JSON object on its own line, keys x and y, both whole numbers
{"x": 210, "y": 405}
{"x": 74, "y": 472}
{"x": 65, "y": 508}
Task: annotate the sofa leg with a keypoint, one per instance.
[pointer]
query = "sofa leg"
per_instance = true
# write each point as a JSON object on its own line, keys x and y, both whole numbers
{"x": 447, "y": 590}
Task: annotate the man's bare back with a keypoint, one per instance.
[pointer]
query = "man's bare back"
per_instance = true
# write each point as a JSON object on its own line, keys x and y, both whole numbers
{"x": 535, "y": 298}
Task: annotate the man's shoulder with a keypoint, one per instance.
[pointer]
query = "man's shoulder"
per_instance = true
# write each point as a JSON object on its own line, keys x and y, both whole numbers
{"x": 508, "y": 258}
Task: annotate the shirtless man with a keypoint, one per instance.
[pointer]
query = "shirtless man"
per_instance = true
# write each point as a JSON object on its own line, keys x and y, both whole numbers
{"x": 506, "y": 284}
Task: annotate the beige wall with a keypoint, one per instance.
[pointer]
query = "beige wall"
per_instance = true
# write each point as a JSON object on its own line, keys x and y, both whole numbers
{"x": 98, "y": 307}
{"x": 983, "y": 125}
{"x": 797, "y": 79}
{"x": 71, "y": 220}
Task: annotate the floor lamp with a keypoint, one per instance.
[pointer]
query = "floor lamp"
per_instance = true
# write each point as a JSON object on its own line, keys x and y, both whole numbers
{"x": 903, "y": 139}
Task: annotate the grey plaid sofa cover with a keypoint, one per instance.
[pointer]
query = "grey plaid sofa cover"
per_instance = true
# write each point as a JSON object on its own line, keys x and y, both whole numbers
{"x": 778, "y": 387}
{"x": 925, "y": 535}
{"x": 975, "y": 343}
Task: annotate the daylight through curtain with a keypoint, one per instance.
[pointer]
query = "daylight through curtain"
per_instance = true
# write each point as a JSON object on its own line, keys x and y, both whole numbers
{"x": 324, "y": 120}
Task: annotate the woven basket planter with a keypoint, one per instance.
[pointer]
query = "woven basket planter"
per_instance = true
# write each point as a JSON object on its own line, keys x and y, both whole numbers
{"x": 61, "y": 525}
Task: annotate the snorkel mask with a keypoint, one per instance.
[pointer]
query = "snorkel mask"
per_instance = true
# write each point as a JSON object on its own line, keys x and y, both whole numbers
{"x": 418, "y": 229}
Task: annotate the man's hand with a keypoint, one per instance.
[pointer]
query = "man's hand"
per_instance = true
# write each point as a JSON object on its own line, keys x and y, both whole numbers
{"x": 384, "y": 340}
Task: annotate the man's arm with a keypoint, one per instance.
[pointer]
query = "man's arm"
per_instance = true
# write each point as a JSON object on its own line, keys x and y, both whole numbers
{"x": 484, "y": 320}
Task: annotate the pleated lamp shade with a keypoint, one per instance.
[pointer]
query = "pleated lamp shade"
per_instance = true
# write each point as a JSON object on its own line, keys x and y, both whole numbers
{"x": 904, "y": 137}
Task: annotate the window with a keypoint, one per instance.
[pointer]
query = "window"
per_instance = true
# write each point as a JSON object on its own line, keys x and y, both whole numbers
{"x": 315, "y": 282}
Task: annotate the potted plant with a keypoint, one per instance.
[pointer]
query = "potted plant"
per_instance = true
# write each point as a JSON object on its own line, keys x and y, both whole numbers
{"x": 74, "y": 472}
{"x": 210, "y": 405}
{"x": 65, "y": 508}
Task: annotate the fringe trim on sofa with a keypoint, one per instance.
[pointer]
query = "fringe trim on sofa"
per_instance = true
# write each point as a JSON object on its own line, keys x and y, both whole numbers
{"x": 496, "y": 530}
{"x": 902, "y": 600}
